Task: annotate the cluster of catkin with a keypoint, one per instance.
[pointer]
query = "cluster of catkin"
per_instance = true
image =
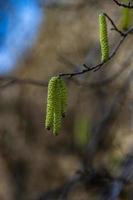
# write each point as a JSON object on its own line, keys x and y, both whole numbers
{"x": 57, "y": 93}
{"x": 103, "y": 32}
{"x": 56, "y": 104}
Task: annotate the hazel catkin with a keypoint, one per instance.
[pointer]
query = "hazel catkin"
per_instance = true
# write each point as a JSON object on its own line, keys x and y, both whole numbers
{"x": 50, "y": 103}
{"x": 57, "y": 109}
{"x": 126, "y": 19}
{"x": 56, "y": 104}
{"x": 63, "y": 97}
{"x": 103, "y": 37}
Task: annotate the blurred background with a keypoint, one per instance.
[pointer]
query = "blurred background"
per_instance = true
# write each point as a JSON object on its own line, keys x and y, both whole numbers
{"x": 40, "y": 39}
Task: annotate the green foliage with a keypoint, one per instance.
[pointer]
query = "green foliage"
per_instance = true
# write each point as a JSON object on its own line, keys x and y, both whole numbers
{"x": 103, "y": 37}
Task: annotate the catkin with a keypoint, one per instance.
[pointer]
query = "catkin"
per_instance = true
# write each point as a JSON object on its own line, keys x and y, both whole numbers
{"x": 63, "y": 97}
{"x": 50, "y": 103}
{"x": 103, "y": 37}
{"x": 56, "y": 104}
{"x": 57, "y": 109}
{"x": 126, "y": 19}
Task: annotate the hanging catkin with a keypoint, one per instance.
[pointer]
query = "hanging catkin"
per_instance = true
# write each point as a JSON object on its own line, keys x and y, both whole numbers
{"x": 50, "y": 103}
{"x": 126, "y": 19}
{"x": 63, "y": 97}
{"x": 56, "y": 104}
{"x": 103, "y": 37}
{"x": 126, "y": 16}
{"x": 57, "y": 109}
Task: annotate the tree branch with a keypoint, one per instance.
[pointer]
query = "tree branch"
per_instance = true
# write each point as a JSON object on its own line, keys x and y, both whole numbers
{"x": 124, "y": 5}
{"x": 115, "y": 27}
{"x": 98, "y": 66}
{"x": 10, "y": 80}
{"x": 14, "y": 80}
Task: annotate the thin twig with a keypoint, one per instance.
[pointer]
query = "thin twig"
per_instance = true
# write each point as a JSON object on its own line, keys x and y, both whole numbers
{"x": 108, "y": 80}
{"x": 10, "y": 80}
{"x": 113, "y": 24}
{"x": 124, "y": 5}
{"x": 86, "y": 68}
{"x": 98, "y": 66}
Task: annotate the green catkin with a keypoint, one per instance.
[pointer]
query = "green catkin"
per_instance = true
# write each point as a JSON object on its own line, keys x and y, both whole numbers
{"x": 57, "y": 109}
{"x": 63, "y": 97}
{"x": 50, "y": 103}
{"x": 126, "y": 19}
{"x": 56, "y": 104}
{"x": 103, "y": 37}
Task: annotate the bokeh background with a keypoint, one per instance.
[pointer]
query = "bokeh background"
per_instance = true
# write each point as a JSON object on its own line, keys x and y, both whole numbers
{"x": 40, "y": 39}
